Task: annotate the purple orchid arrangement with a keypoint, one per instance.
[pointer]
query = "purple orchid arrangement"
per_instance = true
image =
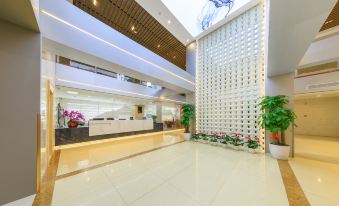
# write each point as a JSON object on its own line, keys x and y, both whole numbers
{"x": 75, "y": 117}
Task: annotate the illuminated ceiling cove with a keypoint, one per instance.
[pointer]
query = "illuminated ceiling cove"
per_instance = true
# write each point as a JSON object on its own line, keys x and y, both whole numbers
{"x": 198, "y": 15}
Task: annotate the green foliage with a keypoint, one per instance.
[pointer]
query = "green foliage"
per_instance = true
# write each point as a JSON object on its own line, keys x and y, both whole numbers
{"x": 205, "y": 137}
{"x": 275, "y": 117}
{"x": 154, "y": 117}
{"x": 187, "y": 114}
{"x": 235, "y": 140}
{"x": 213, "y": 138}
{"x": 253, "y": 144}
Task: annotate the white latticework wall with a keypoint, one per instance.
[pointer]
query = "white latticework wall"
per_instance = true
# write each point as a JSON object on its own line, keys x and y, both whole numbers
{"x": 230, "y": 76}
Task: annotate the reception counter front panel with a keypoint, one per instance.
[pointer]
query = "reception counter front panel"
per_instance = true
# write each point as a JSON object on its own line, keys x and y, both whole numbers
{"x": 102, "y": 127}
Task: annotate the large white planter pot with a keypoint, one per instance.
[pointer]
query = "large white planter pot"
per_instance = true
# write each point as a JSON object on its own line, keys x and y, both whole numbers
{"x": 187, "y": 136}
{"x": 280, "y": 152}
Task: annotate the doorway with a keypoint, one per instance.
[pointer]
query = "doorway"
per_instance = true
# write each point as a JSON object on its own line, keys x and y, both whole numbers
{"x": 317, "y": 131}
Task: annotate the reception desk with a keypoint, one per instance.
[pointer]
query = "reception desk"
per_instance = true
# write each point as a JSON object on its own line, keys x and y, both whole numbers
{"x": 64, "y": 136}
{"x": 102, "y": 127}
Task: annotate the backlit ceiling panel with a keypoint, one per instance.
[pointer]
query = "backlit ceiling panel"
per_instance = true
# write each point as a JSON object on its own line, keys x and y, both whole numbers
{"x": 198, "y": 15}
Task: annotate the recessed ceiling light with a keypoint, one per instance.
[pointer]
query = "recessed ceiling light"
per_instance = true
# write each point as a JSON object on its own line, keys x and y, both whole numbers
{"x": 330, "y": 21}
{"x": 133, "y": 29}
{"x": 169, "y": 21}
{"x": 72, "y": 92}
{"x": 187, "y": 40}
{"x": 95, "y": 2}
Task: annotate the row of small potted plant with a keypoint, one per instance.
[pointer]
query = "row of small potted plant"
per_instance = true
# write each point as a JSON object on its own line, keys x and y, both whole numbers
{"x": 236, "y": 141}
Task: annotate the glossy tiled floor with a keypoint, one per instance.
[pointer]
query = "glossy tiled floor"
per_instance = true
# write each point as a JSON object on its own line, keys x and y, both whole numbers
{"x": 180, "y": 175}
{"x": 73, "y": 159}
{"x": 317, "y": 148}
{"x": 319, "y": 180}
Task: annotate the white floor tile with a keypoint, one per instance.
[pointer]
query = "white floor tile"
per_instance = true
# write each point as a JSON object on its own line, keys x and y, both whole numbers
{"x": 90, "y": 188}
{"x": 135, "y": 185}
{"x": 165, "y": 195}
{"x": 319, "y": 180}
{"x": 184, "y": 174}
{"x": 26, "y": 201}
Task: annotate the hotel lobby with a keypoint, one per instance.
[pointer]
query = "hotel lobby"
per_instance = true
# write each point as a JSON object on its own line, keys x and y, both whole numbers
{"x": 169, "y": 102}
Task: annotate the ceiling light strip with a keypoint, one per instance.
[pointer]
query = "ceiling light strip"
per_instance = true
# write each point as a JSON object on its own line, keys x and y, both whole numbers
{"x": 107, "y": 88}
{"x": 116, "y": 90}
{"x": 173, "y": 100}
{"x": 112, "y": 45}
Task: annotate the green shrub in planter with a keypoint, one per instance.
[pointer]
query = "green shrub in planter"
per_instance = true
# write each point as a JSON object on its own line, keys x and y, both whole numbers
{"x": 214, "y": 139}
{"x": 252, "y": 143}
{"x": 195, "y": 137}
{"x": 187, "y": 114}
{"x": 275, "y": 117}
{"x": 236, "y": 140}
{"x": 205, "y": 138}
{"x": 154, "y": 117}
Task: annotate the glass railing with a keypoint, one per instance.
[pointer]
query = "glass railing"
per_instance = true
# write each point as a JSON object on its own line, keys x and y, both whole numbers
{"x": 98, "y": 70}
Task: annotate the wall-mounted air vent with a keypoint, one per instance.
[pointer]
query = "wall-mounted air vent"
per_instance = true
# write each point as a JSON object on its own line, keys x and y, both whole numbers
{"x": 318, "y": 86}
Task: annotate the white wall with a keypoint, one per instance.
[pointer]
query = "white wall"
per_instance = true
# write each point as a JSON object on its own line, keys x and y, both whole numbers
{"x": 92, "y": 109}
{"x": 317, "y": 83}
{"x": 19, "y": 106}
{"x": 230, "y": 75}
{"x": 191, "y": 55}
{"x": 292, "y": 26}
{"x": 322, "y": 50}
{"x": 317, "y": 116}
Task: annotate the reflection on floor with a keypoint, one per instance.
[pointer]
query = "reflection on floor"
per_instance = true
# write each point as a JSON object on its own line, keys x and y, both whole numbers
{"x": 78, "y": 158}
{"x": 182, "y": 175}
{"x": 317, "y": 148}
{"x": 319, "y": 180}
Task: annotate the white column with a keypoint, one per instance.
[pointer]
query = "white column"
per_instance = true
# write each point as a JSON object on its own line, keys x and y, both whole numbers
{"x": 159, "y": 111}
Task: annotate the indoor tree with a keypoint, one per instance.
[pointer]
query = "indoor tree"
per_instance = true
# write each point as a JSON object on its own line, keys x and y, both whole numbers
{"x": 275, "y": 117}
{"x": 187, "y": 114}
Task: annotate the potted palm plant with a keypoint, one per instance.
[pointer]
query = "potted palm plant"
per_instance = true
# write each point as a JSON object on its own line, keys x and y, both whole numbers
{"x": 187, "y": 116}
{"x": 276, "y": 119}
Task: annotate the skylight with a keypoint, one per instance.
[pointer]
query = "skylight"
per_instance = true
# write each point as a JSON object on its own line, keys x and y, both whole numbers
{"x": 198, "y": 15}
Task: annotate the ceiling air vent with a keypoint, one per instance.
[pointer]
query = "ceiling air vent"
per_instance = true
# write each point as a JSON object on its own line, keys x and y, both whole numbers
{"x": 318, "y": 86}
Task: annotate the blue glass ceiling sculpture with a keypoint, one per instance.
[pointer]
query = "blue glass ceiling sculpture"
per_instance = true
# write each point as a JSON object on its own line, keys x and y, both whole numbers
{"x": 211, "y": 10}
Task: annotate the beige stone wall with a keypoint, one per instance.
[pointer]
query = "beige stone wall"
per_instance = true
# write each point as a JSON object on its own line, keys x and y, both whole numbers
{"x": 317, "y": 116}
{"x": 19, "y": 106}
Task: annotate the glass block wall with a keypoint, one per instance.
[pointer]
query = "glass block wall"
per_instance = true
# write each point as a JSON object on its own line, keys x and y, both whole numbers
{"x": 230, "y": 75}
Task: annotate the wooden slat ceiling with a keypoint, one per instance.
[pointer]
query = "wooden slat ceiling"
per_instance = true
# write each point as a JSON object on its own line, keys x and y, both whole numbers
{"x": 129, "y": 18}
{"x": 333, "y": 19}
